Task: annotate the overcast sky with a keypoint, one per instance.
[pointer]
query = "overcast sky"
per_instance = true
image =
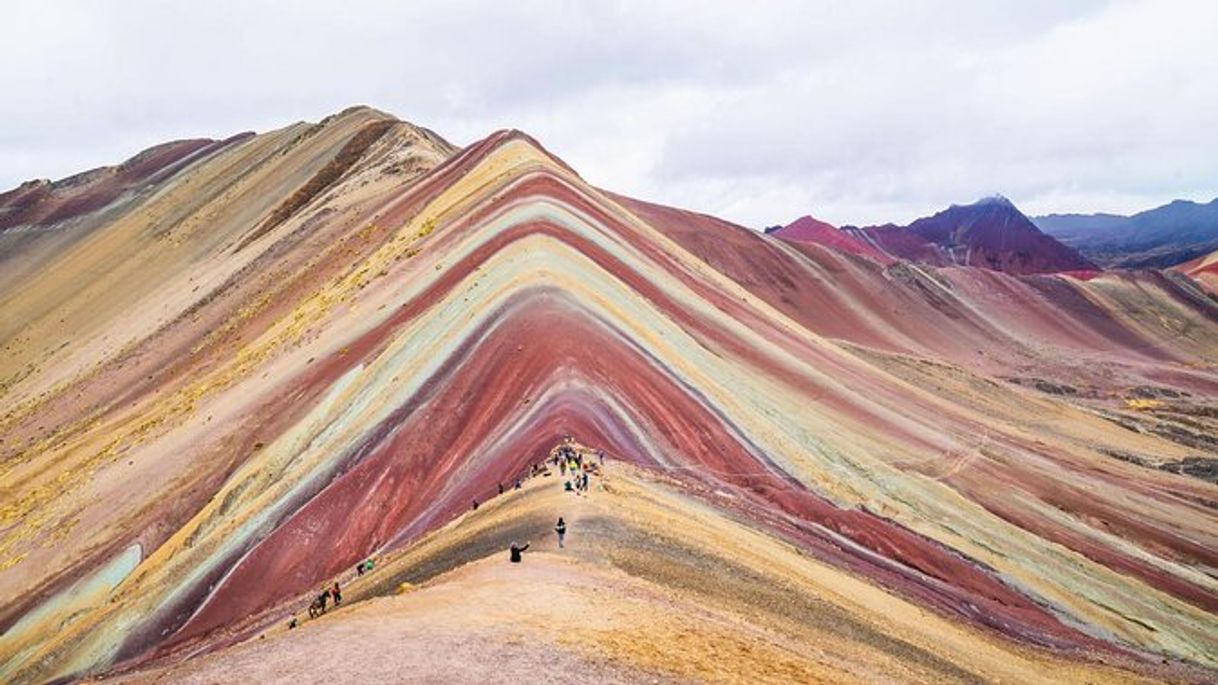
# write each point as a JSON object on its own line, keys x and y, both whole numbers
{"x": 756, "y": 112}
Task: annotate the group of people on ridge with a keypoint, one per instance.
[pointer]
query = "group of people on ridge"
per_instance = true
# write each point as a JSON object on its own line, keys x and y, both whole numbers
{"x": 318, "y": 607}
{"x": 566, "y": 457}
{"x": 569, "y": 459}
{"x": 333, "y": 592}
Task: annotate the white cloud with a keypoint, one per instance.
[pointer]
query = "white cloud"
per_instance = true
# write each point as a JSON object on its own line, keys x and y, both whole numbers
{"x": 855, "y": 112}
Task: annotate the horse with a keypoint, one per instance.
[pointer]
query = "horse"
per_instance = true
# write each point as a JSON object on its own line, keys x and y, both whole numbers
{"x": 318, "y": 607}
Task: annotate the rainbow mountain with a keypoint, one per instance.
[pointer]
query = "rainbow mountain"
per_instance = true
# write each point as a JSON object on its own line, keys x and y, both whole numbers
{"x": 235, "y": 369}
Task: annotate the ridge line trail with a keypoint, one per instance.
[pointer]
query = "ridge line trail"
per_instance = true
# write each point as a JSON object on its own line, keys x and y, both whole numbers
{"x": 357, "y": 589}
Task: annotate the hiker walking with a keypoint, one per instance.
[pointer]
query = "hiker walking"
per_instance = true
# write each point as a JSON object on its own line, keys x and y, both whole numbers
{"x": 515, "y": 551}
{"x": 561, "y": 529}
{"x": 337, "y": 594}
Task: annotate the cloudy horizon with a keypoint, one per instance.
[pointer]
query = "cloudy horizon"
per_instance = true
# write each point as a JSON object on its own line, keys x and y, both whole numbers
{"x": 865, "y": 113}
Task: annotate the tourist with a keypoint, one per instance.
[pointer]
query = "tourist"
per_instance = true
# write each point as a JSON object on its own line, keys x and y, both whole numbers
{"x": 515, "y": 551}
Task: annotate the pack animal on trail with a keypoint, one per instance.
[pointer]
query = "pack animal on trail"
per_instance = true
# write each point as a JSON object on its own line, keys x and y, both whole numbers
{"x": 318, "y": 607}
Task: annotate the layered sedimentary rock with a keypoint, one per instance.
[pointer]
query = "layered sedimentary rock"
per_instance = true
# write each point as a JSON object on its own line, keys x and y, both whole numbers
{"x": 289, "y": 351}
{"x": 1204, "y": 270}
{"x": 808, "y": 229}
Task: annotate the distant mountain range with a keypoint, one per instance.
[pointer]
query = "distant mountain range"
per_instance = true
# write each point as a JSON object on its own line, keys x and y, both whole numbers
{"x": 990, "y": 233}
{"x": 1157, "y": 238}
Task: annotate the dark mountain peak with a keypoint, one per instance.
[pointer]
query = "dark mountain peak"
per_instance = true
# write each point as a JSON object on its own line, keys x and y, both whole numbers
{"x": 991, "y": 233}
{"x": 995, "y": 200}
{"x": 991, "y": 217}
{"x": 991, "y": 206}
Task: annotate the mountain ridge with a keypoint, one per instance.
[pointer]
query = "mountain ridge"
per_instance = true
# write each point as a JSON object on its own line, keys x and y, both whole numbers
{"x": 429, "y": 323}
{"x": 1155, "y": 238}
{"x": 990, "y": 233}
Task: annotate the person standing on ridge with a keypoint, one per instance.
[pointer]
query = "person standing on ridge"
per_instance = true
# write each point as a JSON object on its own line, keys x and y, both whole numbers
{"x": 515, "y": 551}
{"x": 337, "y": 594}
{"x": 561, "y": 529}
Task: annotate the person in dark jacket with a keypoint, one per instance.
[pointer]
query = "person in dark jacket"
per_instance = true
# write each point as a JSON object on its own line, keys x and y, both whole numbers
{"x": 561, "y": 529}
{"x": 516, "y": 550}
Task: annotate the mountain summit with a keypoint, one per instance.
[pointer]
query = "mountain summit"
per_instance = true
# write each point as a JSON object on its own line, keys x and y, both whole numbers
{"x": 991, "y": 233}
